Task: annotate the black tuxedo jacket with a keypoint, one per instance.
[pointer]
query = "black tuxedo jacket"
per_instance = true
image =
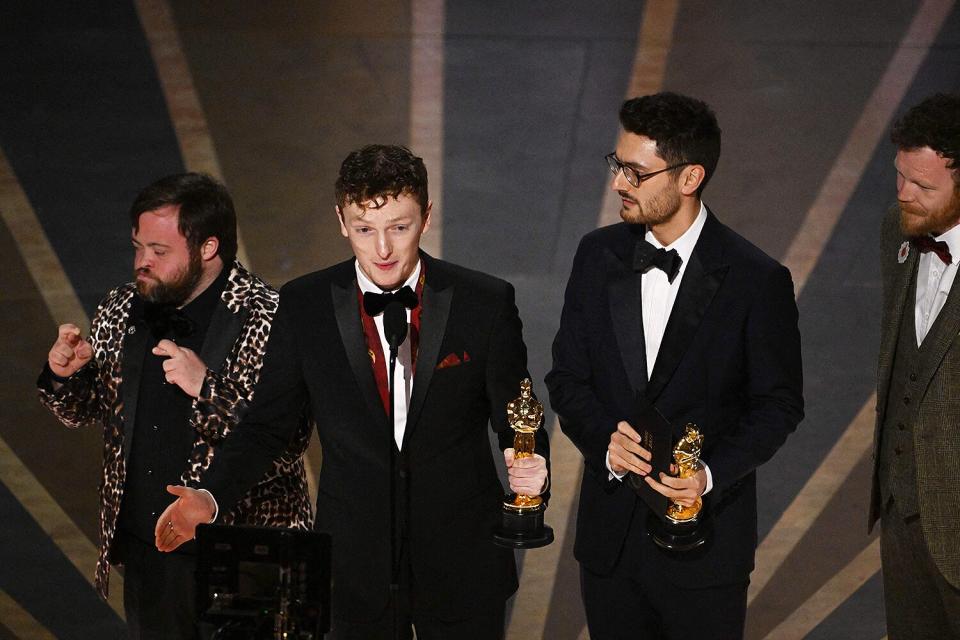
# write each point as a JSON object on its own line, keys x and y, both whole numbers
{"x": 317, "y": 361}
{"x": 729, "y": 362}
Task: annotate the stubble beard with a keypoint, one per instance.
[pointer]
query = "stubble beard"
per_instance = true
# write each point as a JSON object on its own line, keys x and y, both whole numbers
{"x": 174, "y": 292}
{"x": 656, "y": 210}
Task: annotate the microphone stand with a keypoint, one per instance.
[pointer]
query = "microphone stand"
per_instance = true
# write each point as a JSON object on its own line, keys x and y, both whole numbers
{"x": 395, "y": 331}
{"x": 394, "y": 529}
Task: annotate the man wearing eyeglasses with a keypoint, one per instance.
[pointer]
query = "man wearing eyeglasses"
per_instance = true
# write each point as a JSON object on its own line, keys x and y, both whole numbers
{"x": 673, "y": 308}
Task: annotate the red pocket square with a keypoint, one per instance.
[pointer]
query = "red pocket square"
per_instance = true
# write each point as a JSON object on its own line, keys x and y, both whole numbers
{"x": 453, "y": 360}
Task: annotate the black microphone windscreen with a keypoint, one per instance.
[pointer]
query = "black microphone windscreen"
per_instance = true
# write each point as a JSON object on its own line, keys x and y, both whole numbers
{"x": 395, "y": 323}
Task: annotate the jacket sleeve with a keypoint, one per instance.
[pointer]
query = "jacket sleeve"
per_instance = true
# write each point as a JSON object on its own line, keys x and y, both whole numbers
{"x": 271, "y": 422}
{"x": 583, "y": 418}
{"x": 506, "y": 367}
{"x": 80, "y": 400}
{"x": 773, "y": 386}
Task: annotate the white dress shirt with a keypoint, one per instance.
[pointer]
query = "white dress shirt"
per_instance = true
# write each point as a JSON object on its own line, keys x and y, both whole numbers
{"x": 403, "y": 375}
{"x": 934, "y": 279}
{"x": 657, "y": 295}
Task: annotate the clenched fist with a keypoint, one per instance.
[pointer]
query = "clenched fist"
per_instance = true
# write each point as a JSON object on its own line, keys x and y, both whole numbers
{"x": 182, "y": 367}
{"x": 69, "y": 352}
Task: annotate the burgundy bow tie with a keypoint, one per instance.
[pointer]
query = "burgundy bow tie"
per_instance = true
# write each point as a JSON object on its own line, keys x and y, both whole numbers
{"x": 939, "y": 247}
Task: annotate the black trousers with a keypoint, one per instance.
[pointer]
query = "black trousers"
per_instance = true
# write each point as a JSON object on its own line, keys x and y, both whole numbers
{"x": 920, "y": 603}
{"x": 484, "y": 625}
{"x": 159, "y": 592}
{"x": 635, "y": 603}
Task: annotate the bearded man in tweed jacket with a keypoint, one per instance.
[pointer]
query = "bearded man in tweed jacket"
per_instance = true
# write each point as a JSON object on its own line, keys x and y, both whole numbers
{"x": 916, "y": 481}
{"x": 169, "y": 367}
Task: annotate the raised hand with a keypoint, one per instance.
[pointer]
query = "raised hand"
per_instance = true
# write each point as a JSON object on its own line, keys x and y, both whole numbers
{"x": 178, "y": 522}
{"x": 182, "y": 367}
{"x": 69, "y": 352}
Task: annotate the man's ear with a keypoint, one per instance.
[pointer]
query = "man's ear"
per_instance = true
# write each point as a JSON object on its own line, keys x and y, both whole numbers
{"x": 343, "y": 225}
{"x": 693, "y": 177}
{"x": 426, "y": 215}
{"x": 210, "y": 248}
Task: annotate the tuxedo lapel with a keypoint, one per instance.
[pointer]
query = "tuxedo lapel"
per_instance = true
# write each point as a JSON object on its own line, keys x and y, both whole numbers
{"x": 888, "y": 341}
{"x": 222, "y": 334}
{"x": 131, "y": 372}
{"x": 701, "y": 280}
{"x": 437, "y": 296}
{"x": 626, "y": 314}
{"x": 346, "y": 308}
{"x": 940, "y": 338}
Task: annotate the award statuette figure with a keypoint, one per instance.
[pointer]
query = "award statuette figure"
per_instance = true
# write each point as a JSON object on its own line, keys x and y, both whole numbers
{"x": 522, "y": 526}
{"x": 682, "y": 528}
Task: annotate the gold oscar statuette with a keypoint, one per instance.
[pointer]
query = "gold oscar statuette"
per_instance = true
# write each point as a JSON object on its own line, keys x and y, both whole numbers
{"x": 522, "y": 515}
{"x": 683, "y": 528}
{"x": 686, "y": 455}
{"x": 525, "y": 415}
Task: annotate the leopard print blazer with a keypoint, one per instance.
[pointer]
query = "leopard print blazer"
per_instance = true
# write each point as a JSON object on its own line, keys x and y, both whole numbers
{"x": 92, "y": 396}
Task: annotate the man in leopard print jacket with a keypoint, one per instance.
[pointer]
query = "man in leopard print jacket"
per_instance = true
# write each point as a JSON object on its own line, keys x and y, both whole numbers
{"x": 169, "y": 367}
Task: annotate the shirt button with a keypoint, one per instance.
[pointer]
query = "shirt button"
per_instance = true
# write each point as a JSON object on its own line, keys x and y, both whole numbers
{"x": 913, "y": 377}
{"x": 906, "y": 400}
{"x": 155, "y": 427}
{"x": 898, "y": 450}
{"x": 149, "y": 472}
{"x": 901, "y": 426}
{"x": 153, "y": 514}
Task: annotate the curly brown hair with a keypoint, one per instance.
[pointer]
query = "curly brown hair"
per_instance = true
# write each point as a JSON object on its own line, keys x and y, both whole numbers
{"x": 933, "y": 123}
{"x": 379, "y": 170}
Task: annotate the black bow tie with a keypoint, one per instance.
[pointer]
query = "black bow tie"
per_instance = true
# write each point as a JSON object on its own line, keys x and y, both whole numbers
{"x": 375, "y": 303}
{"x": 939, "y": 247}
{"x": 647, "y": 256}
{"x": 163, "y": 319}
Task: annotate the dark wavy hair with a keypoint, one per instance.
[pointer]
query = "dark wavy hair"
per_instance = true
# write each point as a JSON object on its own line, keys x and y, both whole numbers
{"x": 206, "y": 210}
{"x": 933, "y": 123}
{"x": 684, "y": 128}
{"x": 381, "y": 170}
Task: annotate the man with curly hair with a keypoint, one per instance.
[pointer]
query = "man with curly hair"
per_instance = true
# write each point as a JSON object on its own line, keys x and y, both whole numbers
{"x": 674, "y": 309}
{"x": 916, "y": 494}
{"x": 430, "y": 470}
{"x": 167, "y": 371}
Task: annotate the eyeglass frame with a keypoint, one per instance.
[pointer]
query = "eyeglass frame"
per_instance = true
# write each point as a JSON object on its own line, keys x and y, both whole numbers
{"x": 616, "y": 166}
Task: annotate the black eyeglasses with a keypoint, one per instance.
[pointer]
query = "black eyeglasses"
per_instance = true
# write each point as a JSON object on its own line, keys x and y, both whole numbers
{"x": 633, "y": 176}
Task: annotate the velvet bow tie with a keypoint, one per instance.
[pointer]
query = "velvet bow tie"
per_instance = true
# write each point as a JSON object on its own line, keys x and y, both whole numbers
{"x": 647, "y": 256}
{"x": 375, "y": 303}
{"x": 939, "y": 247}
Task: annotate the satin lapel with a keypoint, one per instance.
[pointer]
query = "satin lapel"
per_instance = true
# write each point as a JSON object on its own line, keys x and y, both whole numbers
{"x": 437, "y": 297}
{"x": 626, "y": 314}
{"x": 346, "y": 308}
{"x": 942, "y": 336}
{"x": 700, "y": 283}
{"x": 134, "y": 350}
{"x": 221, "y": 336}
{"x": 888, "y": 339}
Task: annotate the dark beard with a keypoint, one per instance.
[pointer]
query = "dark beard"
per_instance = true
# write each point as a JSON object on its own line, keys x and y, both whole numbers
{"x": 177, "y": 291}
{"x": 934, "y": 223}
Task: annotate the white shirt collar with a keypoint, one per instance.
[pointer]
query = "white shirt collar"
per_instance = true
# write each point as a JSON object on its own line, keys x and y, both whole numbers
{"x": 367, "y": 286}
{"x": 685, "y": 243}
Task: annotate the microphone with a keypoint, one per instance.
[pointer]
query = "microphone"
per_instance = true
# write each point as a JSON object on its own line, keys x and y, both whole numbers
{"x": 395, "y": 324}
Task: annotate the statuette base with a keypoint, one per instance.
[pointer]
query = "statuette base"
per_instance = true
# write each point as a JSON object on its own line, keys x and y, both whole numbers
{"x": 522, "y": 527}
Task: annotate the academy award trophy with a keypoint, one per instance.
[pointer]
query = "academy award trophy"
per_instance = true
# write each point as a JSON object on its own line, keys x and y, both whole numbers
{"x": 683, "y": 528}
{"x": 522, "y": 526}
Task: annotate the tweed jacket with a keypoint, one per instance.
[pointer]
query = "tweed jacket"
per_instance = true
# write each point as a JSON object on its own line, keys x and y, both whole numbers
{"x": 935, "y": 419}
{"x": 104, "y": 392}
